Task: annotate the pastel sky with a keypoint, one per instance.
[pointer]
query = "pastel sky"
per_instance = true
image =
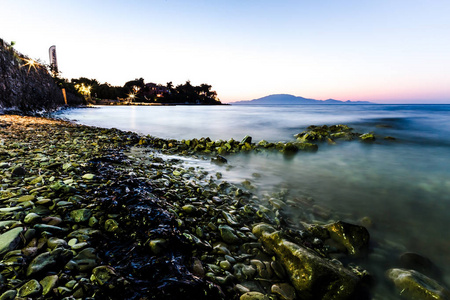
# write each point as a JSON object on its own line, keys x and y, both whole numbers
{"x": 386, "y": 51}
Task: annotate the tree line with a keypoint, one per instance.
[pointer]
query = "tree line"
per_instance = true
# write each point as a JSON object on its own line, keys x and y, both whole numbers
{"x": 138, "y": 91}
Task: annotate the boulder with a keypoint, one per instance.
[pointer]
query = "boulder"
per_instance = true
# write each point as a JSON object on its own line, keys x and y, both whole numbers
{"x": 312, "y": 276}
{"x": 355, "y": 238}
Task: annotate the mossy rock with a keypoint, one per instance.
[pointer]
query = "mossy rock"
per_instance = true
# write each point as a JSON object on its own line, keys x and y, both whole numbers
{"x": 311, "y": 275}
{"x": 415, "y": 285}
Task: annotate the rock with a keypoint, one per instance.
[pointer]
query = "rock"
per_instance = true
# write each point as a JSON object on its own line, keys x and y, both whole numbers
{"x": 30, "y": 289}
{"x": 48, "y": 283}
{"x": 261, "y": 228}
{"x": 415, "y": 285}
{"x": 367, "y": 137}
{"x": 18, "y": 171}
{"x": 189, "y": 208}
{"x": 284, "y": 290}
{"x": 355, "y": 238}
{"x": 254, "y": 296}
{"x": 50, "y": 228}
{"x": 47, "y": 260}
{"x": 247, "y": 139}
{"x": 88, "y": 176}
{"x": 10, "y": 240}
{"x": 158, "y": 245}
{"x": 219, "y": 160}
{"x": 111, "y": 225}
{"x": 243, "y": 272}
{"x": 38, "y": 179}
{"x": 307, "y": 146}
{"x": 7, "y": 224}
{"x": 225, "y": 265}
{"x": 54, "y": 242}
{"x": 86, "y": 260}
{"x": 9, "y": 295}
{"x": 420, "y": 264}
{"x": 80, "y": 215}
{"x": 103, "y": 274}
{"x": 312, "y": 276}
{"x": 32, "y": 218}
{"x": 26, "y": 198}
{"x": 228, "y": 234}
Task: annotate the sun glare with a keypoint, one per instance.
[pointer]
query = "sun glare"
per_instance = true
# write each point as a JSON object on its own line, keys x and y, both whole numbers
{"x": 31, "y": 63}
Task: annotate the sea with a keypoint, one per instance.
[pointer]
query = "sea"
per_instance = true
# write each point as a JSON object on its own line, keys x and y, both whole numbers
{"x": 399, "y": 189}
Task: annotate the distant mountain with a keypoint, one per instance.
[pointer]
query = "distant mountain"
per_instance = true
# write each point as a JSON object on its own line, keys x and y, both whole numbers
{"x": 291, "y": 99}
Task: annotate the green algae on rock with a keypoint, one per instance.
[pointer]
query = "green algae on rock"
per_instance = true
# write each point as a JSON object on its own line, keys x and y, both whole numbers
{"x": 414, "y": 285}
{"x": 313, "y": 276}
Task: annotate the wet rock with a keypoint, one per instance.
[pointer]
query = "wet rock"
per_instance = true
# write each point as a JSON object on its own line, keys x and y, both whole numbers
{"x": 7, "y": 224}
{"x": 32, "y": 218}
{"x": 254, "y": 296}
{"x": 284, "y": 290}
{"x": 367, "y": 137}
{"x": 19, "y": 171}
{"x": 54, "y": 242}
{"x": 84, "y": 261}
{"x": 243, "y": 272}
{"x": 10, "y": 240}
{"x": 158, "y": 245}
{"x": 25, "y": 198}
{"x": 313, "y": 276}
{"x": 111, "y": 225}
{"x": 189, "y": 208}
{"x": 420, "y": 264}
{"x": 88, "y": 176}
{"x": 80, "y": 215}
{"x": 414, "y": 285}
{"x": 9, "y": 295}
{"x": 228, "y": 234}
{"x": 355, "y": 238}
{"x": 48, "y": 260}
{"x": 219, "y": 160}
{"x": 103, "y": 274}
{"x": 30, "y": 289}
{"x": 50, "y": 228}
{"x": 247, "y": 139}
{"x": 48, "y": 283}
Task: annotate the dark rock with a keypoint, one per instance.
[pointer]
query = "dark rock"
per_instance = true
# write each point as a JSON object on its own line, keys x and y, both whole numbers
{"x": 420, "y": 264}
{"x": 355, "y": 238}
{"x": 247, "y": 139}
{"x": 220, "y": 160}
{"x": 19, "y": 171}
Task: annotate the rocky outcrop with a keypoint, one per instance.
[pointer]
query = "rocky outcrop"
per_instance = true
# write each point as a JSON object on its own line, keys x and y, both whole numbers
{"x": 26, "y": 85}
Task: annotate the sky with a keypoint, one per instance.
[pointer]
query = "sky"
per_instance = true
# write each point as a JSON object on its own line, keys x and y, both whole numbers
{"x": 385, "y": 51}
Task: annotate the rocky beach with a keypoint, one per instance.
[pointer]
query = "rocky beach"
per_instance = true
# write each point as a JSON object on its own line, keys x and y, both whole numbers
{"x": 93, "y": 213}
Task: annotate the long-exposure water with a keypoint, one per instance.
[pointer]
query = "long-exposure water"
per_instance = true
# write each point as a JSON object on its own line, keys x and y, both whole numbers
{"x": 400, "y": 188}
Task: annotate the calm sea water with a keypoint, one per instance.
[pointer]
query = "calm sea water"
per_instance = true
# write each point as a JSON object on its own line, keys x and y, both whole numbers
{"x": 402, "y": 186}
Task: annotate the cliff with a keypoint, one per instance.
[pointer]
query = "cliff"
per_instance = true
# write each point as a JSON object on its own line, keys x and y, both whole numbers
{"x": 26, "y": 86}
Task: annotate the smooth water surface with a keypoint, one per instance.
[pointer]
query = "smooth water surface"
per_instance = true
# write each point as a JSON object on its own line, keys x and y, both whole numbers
{"x": 403, "y": 186}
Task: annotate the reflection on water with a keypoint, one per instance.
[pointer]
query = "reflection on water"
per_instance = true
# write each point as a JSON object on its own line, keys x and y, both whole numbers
{"x": 402, "y": 186}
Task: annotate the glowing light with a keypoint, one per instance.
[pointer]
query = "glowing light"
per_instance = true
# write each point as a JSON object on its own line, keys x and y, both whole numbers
{"x": 31, "y": 63}
{"x": 84, "y": 90}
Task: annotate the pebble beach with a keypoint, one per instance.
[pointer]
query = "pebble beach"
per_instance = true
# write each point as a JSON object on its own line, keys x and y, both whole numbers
{"x": 94, "y": 213}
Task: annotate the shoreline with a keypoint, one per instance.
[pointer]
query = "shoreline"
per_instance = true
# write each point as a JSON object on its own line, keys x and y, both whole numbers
{"x": 91, "y": 212}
